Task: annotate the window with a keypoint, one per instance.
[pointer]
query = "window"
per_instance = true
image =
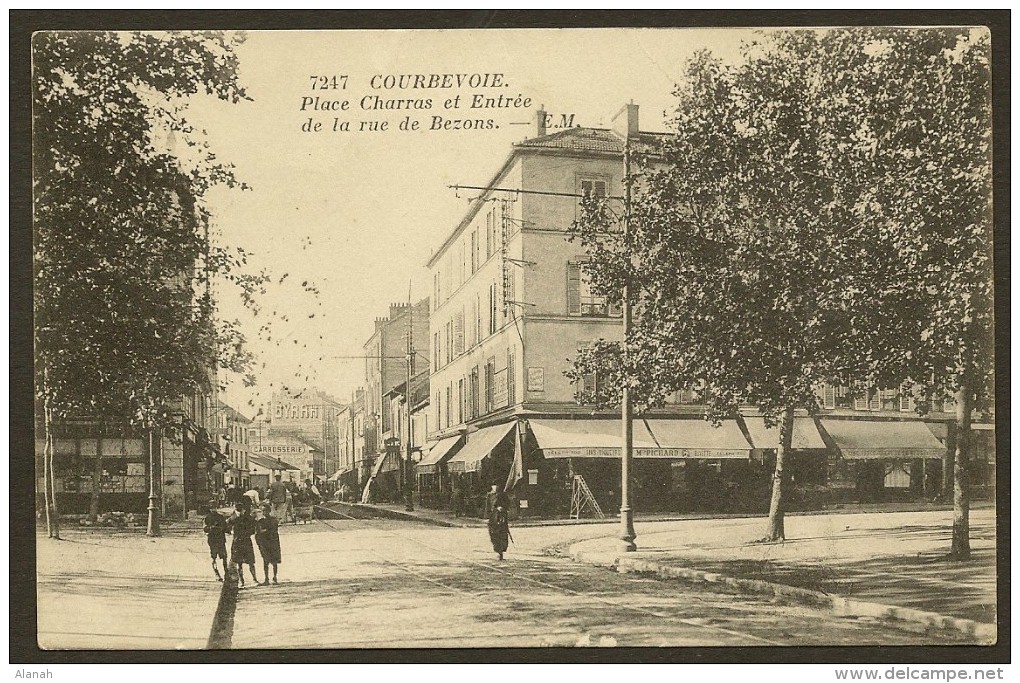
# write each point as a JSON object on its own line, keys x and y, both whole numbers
{"x": 906, "y": 400}
{"x": 473, "y": 393}
{"x": 435, "y": 349}
{"x": 828, "y": 396}
{"x": 591, "y": 185}
{"x": 474, "y": 331}
{"x": 439, "y": 410}
{"x": 458, "y": 333}
{"x": 587, "y": 386}
{"x": 304, "y": 412}
{"x": 474, "y": 251}
{"x": 449, "y": 402}
{"x": 580, "y": 299}
{"x": 490, "y": 384}
{"x": 435, "y": 288}
{"x": 449, "y": 341}
{"x": 596, "y": 186}
{"x": 460, "y": 401}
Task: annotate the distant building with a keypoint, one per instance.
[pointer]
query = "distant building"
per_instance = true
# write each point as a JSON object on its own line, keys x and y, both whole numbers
{"x": 310, "y": 417}
{"x": 386, "y": 367}
{"x": 232, "y": 432}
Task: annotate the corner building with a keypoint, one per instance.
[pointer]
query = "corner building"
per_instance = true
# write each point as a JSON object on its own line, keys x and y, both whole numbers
{"x": 509, "y": 310}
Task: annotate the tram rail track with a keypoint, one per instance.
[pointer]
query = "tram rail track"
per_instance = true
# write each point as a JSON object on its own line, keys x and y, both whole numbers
{"x": 619, "y": 605}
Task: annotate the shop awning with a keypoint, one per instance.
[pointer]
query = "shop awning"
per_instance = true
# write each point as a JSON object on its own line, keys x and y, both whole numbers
{"x": 696, "y": 438}
{"x": 271, "y": 464}
{"x": 805, "y": 434}
{"x": 586, "y": 438}
{"x": 385, "y": 462}
{"x": 439, "y": 453}
{"x": 879, "y": 440}
{"x": 478, "y": 446}
{"x": 336, "y": 476}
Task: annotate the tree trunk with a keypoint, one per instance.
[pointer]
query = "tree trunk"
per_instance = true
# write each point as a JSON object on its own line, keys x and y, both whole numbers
{"x": 776, "y": 526}
{"x": 51, "y": 484}
{"x": 97, "y": 476}
{"x": 51, "y": 530}
{"x": 949, "y": 463}
{"x": 961, "y": 494}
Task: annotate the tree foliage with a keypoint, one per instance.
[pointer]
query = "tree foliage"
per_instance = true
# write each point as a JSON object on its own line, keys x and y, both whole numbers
{"x": 125, "y": 316}
{"x": 820, "y": 214}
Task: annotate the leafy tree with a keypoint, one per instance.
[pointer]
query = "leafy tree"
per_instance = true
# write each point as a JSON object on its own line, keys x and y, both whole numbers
{"x": 785, "y": 235}
{"x": 125, "y": 319}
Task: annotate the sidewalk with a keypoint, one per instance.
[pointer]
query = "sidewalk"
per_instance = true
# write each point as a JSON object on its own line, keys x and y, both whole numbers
{"x": 448, "y": 519}
{"x": 885, "y": 566}
{"x": 104, "y": 589}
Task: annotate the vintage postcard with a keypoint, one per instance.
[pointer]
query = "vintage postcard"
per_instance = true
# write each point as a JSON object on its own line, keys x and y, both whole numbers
{"x": 516, "y": 338}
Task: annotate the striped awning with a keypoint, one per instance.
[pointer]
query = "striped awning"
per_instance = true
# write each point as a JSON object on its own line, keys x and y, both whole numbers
{"x": 883, "y": 440}
{"x": 439, "y": 453}
{"x": 478, "y": 447}
{"x": 805, "y": 434}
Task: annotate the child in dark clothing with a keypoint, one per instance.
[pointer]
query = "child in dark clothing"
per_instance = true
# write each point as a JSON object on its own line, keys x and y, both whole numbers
{"x": 267, "y": 536}
{"x": 215, "y": 528}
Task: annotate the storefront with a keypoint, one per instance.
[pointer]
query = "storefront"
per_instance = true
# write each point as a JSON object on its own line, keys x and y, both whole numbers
{"x": 679, "y": 464}
{"x": 482, "y": 462}
{"x": 886, "y": 460}
{"x": 433, "y": 473}
{"x": 807, "y": 464}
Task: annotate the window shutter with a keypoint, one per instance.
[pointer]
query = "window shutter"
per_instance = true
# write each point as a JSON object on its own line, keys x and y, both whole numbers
{"x": 458, "y": 333}
{"x": 573, "y": 288}
{"x": 906, "y": 401}
{"x": 828, "y": 396}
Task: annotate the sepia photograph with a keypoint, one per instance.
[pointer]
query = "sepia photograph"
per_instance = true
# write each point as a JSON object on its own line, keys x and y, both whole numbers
{"x": 420, "y": 338}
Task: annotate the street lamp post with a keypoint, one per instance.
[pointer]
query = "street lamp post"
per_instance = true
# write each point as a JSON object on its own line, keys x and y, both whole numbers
{"x": 152, "y": 528}
{"x": 627, "y": 533}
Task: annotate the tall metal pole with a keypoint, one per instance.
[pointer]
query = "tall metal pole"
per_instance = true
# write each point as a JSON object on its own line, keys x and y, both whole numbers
{"x": 153, "y": 521}
{"x": 627, "y": 533}
{"x": 409, "y": 471}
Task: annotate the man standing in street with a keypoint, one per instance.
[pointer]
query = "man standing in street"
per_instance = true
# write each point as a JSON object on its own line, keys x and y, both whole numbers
{"x": 278, "y": 497}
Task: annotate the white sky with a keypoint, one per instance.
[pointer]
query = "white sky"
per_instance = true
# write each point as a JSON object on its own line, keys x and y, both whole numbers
{"x": 358, "y": 214}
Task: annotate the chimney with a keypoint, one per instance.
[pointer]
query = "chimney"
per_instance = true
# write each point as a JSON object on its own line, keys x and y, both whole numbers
{"x": 540, "y": 117}
{"x": 627, "y": 127}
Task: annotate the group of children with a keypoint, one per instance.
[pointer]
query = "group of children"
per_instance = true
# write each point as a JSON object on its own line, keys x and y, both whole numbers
{"x": 242, "y": 525}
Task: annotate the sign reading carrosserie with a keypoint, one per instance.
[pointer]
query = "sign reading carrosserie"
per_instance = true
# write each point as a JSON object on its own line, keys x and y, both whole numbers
{"x": 278, "y": 450}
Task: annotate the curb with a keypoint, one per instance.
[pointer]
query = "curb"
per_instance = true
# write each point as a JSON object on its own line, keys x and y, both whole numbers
{"x": 983, "y": 633}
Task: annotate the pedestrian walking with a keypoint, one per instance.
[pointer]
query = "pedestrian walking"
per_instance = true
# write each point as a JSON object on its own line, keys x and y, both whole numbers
{"x": 278, "y": 498}
{"x": 457, "y": 498}
{"x": 242, "y": 526}
{"x": 215, "y": 527}
{"x": 499, "y": 526}
{"x": 267, "y": 536}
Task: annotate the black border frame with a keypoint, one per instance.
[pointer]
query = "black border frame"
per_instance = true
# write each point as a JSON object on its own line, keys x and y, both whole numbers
{"x": 23, "y": 646}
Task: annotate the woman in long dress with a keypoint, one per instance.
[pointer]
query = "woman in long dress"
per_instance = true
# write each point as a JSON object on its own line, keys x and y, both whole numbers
{"x": 499, "y": 526}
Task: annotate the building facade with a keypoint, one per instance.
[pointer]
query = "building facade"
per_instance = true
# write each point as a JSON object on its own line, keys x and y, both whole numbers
{"x": 510, "y": 309}
{"x": 311, "y": 418}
